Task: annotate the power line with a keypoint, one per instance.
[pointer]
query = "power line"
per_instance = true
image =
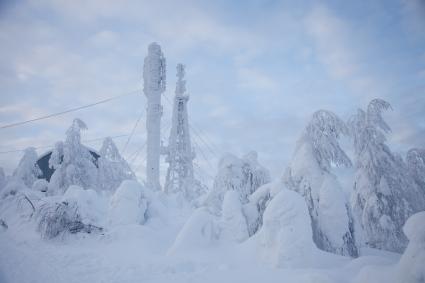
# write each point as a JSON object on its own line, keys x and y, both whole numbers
{"x": 132, "y": 132}
{"x": 51, "y": 146}
{"x": 66, "y": 111}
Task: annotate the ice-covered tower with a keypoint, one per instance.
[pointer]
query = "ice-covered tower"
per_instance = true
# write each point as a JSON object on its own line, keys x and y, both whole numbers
{"x": 179, "y": 153}
{"x": 154, "y": 85}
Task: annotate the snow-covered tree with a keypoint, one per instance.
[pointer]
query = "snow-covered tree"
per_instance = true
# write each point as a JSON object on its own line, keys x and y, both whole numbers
{"x": 416, "y": 164}
{"x": 243, "y": 175}
{"x": 27, "y": 170}
{"x": 233, "y": 222}
{"x": 73, "y": 162}
{"x": 310, "y": 174}
{"x": 113, "y": 168}
{"x": 384, "y": 194}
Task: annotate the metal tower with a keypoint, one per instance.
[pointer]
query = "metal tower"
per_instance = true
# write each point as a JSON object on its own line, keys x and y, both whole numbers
{"x": 179, "y": 153}
{"x": 154, "y": 85}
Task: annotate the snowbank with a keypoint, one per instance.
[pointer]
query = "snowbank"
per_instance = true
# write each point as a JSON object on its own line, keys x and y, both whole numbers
{"x": 127, "y": 205}
{"x": 411, "y": 268}
{"x": 199, "y": 232}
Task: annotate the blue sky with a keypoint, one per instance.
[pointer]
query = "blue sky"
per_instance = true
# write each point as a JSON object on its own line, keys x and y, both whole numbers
{"x": 256, "y": 70}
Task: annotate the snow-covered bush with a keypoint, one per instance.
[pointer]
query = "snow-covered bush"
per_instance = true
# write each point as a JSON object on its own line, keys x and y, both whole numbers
{"x": 416, "y": 164}
{"x": 113, "y": 168}
{"x": 73, "y": 162}
{"x": 55, "y": 219}
{"x": 243, "y": 175}
{"x": 198, "y": 233}
{"x": 411, "y": 268}
{"x": 128, "y": 205}
{"x": 310, "y": 174}
{"x": 384, "y": 194}
{"x": 285, "y": 239}
{"x": 78, "y": 210}
{"x": 233, "y": 222}
{"x": 40, "y": 185}
{"x": 27, "y": 170}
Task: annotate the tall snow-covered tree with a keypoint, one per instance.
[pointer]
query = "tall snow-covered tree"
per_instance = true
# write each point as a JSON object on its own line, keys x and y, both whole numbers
{"x": 416, "y": 164}
{"x": 73, "y": 162}
{"x": 27, "y": 170}
{"x": 243, "y": 175}
{"x": 310, "y": 174}
{"x": 384, "y": 194}
{"x": 113, "y": 168}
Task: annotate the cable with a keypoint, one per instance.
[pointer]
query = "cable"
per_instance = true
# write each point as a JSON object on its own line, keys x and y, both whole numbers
{"x": 66, "y": 111}
{"x": 50, "y": 146}
{"x": 132, "y": 132}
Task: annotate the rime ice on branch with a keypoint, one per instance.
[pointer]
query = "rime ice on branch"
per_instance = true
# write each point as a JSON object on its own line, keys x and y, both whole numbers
{"x": 154, "y": 85}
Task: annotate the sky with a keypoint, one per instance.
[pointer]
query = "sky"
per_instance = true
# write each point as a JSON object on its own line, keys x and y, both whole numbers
{"x": 256, "y": 71}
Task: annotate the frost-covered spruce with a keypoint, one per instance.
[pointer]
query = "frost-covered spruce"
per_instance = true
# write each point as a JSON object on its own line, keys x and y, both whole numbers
{"x": 27, "y": 170}
{"x": 243, "y": 175}
{"x": 384, "y": 194}
{"x": 416, "y": 164}
{"x": 310, "y": 174}
{"x": 113, "y": 168}
{"x": 73, "y": 162}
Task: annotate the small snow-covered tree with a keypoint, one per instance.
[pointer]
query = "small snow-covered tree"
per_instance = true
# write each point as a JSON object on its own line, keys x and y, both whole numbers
{"x": 113, "y": 168}
{"x": 73, "y": 162}
{"x": 416, "y": 164}
{"x": 384, "y": 194}
{"x": 27, "y": 170}
{"x": 310, "y": 174}
{"x": 243, "y": 175}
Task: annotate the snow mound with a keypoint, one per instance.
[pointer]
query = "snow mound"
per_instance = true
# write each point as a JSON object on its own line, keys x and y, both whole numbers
{"x": 199, "y": 232}
{"x": 128, "y": 205}
{"x": 40, "y": 185}
{"x": 411, "y": 268}
{"x": 285, "y": 239}
{"x": 91, "y": 207}
{"x": 234, "y": 227}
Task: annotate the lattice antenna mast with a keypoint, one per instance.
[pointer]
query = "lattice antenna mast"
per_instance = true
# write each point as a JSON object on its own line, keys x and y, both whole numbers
{"x": 179, "y": 153}
{"x": 154, "y": 84}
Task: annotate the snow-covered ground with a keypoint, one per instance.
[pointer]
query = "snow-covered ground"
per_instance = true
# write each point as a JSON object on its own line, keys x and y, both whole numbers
{"x": 143, "y": 253}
